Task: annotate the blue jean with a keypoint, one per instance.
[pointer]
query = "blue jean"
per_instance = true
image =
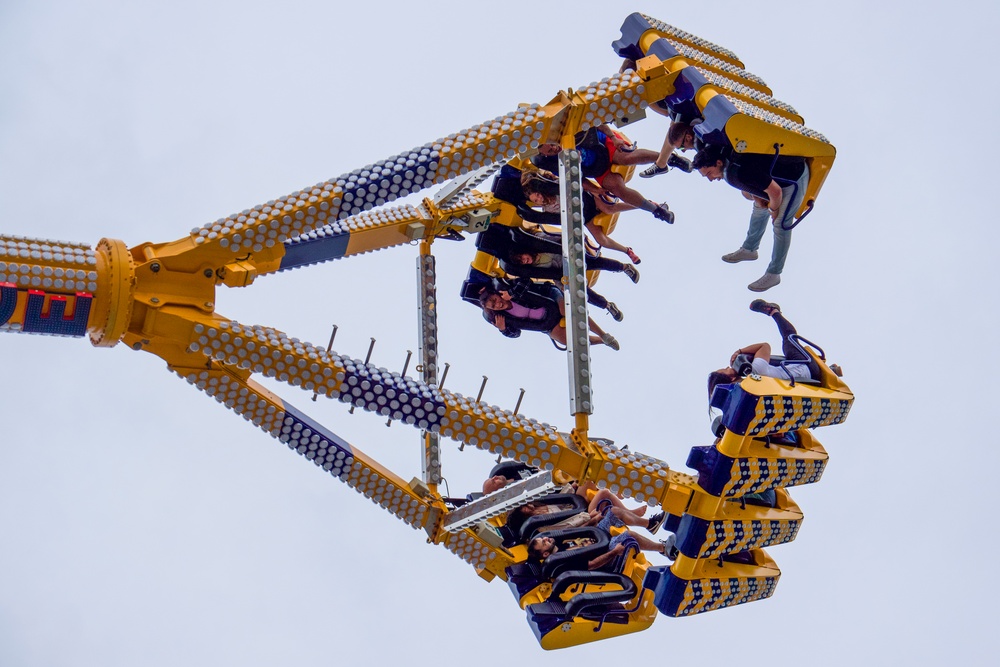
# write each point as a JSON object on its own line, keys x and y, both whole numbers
{"x": 782, "y": 237}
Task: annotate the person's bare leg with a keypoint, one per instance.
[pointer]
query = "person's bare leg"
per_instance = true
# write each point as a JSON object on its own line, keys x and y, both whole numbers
{"x": 645, "y": 543}
{"x": 604, "y": 494}
{"x": 638, "y": 156}
{"x": 595, "y": 328}
{"x": 615, "y": 184}
{"x": 558, "y": 334}
{"x": 602, "y": 336}
{"x": 630, "y": 518}
{"x": 607, "y": 242}
{"x": 602, "y": 237}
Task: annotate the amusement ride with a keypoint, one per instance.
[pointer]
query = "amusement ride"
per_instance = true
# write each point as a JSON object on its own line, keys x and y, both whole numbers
{"x": 161, "y": 298}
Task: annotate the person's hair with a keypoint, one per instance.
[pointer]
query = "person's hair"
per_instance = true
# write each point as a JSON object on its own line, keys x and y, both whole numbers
{"x": 534, "y": 551}
{"x": 541, "y": 181}
{"x": 484, "y": 295}
{"x": 716, "y": 378}
{"x": 707, "y": 157}
{"x": 677, "y": 132}
{"x": 516, "y": 518}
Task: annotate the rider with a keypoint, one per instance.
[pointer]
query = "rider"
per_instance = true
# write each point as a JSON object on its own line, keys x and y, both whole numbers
{"x": 600, "y": 148}
{"x": 761, "y": 354}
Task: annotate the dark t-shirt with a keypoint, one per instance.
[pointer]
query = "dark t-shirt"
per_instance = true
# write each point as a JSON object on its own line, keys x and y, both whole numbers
{"x": 751, "y": 172}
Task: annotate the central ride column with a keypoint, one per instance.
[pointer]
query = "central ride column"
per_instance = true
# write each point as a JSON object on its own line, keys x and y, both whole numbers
{"x": 427, "y": 307}
{"x": 575, "y": 294}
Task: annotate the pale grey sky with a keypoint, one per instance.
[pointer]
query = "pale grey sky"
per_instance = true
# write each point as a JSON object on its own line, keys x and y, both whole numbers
{"x": 144, "y": 524}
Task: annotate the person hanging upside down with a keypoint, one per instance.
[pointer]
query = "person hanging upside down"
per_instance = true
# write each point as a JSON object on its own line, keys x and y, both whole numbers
{"x": 680, "y": 137}
{"x": 761, "y": 354}
{"x": 754, "y": 176}
{"x": 541, "y": 188}
{"x": 551, "y": 260}
{"x": 600, "y": 148}
{"x": 536, "y": 312}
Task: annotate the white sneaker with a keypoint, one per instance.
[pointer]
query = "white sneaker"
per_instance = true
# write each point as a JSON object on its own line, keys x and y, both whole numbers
{"x": 611, "y": 341}
{"x": 741, "y": 255}
{"x": 765, "y": 282}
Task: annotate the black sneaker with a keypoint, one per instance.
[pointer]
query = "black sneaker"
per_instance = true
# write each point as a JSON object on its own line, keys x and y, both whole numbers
{"x": 655, "y": 522}
{"x": 631, "y": 272}
{"x": 653, "y": 170}
{"x": 616, "y": 313}
{"x": 765, "y": 307}
{"x": 678, "y": 162}
{"x": 662, "y": 212}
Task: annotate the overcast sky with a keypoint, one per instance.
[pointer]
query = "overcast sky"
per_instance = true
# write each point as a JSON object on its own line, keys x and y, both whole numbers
{"x": 144, "y": 524}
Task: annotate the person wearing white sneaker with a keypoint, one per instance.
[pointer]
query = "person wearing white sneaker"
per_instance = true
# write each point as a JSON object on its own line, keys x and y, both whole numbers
{"x": 543, "y": 311}
{"x": 755, "y": 174}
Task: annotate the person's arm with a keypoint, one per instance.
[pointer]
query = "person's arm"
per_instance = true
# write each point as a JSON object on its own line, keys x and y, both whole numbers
{"x": 758, "y": 350}
{"x": 773, "y": 198}
{"x": 614, "y": 136}
{"x": 757, "y": 201}
{"x": 656, "y": 108}
{"x": 606, "y": 558}
{"x": 593, "y": 188}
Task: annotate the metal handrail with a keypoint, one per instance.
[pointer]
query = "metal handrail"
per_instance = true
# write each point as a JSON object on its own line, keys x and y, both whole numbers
{"x": 795, "y": 192}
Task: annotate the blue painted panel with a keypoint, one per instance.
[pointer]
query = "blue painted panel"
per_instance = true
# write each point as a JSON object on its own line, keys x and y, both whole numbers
{"x": 8, "y": 301}
{"x": 56, "y": 323}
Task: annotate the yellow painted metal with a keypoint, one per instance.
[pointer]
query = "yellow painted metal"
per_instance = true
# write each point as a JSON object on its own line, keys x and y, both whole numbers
{"x": 115, "y": 291}
{"x": 580, "y": 630}
{"x": 728, "y": 579}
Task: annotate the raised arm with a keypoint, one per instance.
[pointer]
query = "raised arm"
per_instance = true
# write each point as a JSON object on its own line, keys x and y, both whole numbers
{"x": 758, "y": 350}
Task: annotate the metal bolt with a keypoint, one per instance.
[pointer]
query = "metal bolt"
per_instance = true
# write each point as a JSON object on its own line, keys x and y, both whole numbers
{"x": 154, "y": 300}
{"x": 209, "y": 273}
{"x": 155, "y": 267}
